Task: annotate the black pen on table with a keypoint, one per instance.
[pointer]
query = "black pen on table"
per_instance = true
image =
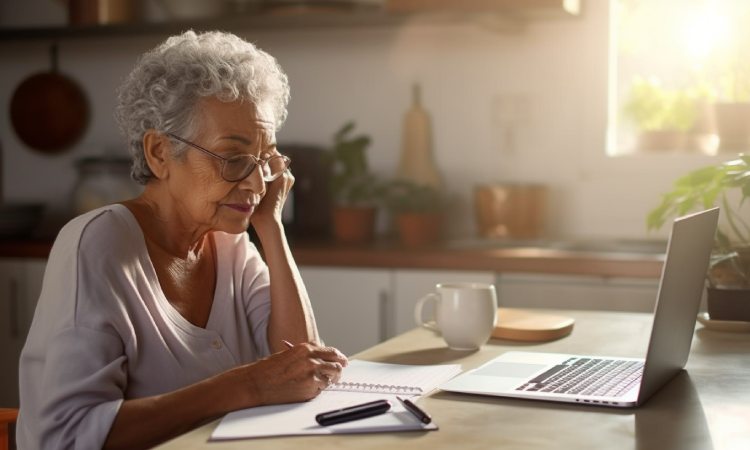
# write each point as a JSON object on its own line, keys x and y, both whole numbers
{"x": 418, "y": 412}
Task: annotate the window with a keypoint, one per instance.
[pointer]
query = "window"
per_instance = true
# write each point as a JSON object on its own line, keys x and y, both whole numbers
{"x": 679, "y": 77}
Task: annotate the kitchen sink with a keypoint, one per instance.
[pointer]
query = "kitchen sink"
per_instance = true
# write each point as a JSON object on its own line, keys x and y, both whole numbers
{"x": 639, "y": 246}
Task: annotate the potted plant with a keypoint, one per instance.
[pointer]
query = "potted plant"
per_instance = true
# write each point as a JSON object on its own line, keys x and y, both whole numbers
{"x": 356, "y": 192}
{"x": 726, "y": 185}
{"x": 418, "y": 210}
{"x": 663, "y": 117}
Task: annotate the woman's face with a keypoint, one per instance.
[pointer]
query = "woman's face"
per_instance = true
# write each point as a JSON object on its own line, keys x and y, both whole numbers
{"x": 201, "y": 195}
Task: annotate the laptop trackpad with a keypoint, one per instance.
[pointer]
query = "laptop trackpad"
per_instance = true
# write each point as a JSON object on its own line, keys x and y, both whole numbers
{"x": 494, "y": 378}
{"x": 509, "y": 370}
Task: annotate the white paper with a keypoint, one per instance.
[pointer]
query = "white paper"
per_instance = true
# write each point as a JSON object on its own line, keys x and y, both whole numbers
{"x": 298, "y": 419}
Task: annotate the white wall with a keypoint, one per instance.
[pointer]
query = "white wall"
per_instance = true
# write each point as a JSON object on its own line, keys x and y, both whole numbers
{"x": 366, "y": 75}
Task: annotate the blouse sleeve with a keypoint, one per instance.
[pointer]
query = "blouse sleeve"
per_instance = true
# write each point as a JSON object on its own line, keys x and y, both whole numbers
{"x": 73, "y": 367}
{"x": 81, "y": 389}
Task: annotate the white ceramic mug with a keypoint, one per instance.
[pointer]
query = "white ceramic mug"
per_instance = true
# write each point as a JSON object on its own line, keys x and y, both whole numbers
{"x": 465, "y": 313}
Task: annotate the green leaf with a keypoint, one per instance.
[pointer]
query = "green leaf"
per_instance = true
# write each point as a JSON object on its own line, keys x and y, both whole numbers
{"x": 406, "y": 196}
{"x": 657, "y": 216}
{"x": 705, "y": 188}
{"x": 341, "y": 134}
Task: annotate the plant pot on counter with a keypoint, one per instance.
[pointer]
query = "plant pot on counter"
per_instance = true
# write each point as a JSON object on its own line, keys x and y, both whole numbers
{"x": 733, "y": 127}
{"x": 728, "y": 304}
{"x": 661, "y": 141}
{"x": 354, "y": 224}
{"x": 418, "y": 229}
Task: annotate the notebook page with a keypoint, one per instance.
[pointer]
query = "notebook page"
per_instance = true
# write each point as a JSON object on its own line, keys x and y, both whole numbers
{"x": 367, "y": 376}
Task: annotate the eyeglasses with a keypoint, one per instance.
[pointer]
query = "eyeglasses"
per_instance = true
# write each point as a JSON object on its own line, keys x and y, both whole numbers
{"x": 237, "y": 168}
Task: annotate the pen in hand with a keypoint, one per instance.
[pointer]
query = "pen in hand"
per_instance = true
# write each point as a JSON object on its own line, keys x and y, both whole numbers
{"x": 418, "y": 412}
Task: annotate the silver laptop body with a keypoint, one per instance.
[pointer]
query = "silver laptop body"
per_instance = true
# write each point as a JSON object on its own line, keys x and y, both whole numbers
{"x": 619, "y": 382}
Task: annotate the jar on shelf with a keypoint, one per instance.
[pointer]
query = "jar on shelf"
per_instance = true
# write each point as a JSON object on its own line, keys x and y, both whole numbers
{"x": 103, "y": 181}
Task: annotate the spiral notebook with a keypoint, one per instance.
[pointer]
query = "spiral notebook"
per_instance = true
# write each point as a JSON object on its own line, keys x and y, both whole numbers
{"x": 400, "y": 379}
{"x": 361, "y": 381}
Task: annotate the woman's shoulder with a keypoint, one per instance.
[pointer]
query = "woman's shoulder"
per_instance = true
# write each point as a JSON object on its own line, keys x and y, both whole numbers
{"x": 107, "y": 229}
{"x": 97, "y": 218}
{"x": 91, "y": 254}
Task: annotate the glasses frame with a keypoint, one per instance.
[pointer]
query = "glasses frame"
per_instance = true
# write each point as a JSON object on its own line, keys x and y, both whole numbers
{"x": 257, "y": 161}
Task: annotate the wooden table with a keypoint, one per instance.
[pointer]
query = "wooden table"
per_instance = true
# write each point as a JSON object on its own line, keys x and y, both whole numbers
{"x": 705, "y": 407}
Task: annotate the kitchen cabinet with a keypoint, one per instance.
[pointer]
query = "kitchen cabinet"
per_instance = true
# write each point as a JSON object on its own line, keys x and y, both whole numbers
{"x": 520, "y": 290}
{"x": 351, "y": 306}
{"x": 20, "y": 287}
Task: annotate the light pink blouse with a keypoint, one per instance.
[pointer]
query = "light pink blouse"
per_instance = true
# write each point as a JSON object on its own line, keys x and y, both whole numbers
{"x": 104, "y": 332}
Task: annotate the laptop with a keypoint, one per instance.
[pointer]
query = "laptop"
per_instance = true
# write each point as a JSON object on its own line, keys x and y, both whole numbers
{"x": 614, "y": 381}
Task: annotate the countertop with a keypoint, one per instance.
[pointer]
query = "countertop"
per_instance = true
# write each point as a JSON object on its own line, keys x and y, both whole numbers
{"x": 522, "y": 257}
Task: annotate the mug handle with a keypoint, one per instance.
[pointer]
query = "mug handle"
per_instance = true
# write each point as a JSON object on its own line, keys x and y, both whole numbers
{"x": 431, "y": 325}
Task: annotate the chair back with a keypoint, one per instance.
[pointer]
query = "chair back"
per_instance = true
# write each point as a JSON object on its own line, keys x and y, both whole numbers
{"x": 7, "y": 416}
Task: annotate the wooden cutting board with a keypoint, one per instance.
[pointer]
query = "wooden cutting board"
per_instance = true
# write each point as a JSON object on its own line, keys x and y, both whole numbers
{"x": 529, "y": 326}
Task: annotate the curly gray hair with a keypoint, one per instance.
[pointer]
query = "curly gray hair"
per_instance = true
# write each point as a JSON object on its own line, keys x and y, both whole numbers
{"x": 168, "y": 82}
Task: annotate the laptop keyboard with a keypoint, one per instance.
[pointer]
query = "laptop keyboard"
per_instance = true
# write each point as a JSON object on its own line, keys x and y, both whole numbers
{"x": 588, "y": 376}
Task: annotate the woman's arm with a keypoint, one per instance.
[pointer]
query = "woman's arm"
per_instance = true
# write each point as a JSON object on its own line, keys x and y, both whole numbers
{"x": 292, "y": 316}
{"x": 146, "y": 422}
{"x": 290, "y": 376}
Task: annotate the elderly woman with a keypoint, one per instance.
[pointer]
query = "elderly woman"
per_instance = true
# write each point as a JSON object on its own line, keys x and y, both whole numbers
{"x": 158, "y": 314}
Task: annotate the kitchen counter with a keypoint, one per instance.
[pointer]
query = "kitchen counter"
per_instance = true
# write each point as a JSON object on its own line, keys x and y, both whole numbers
{"x": 524, "y": 257}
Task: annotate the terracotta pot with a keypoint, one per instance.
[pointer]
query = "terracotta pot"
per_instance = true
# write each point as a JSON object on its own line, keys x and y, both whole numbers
{"x": 702, "y": 137}
{"x": 728, "y": 304}
{"x": 733, "y": 126}
{"x": 662, "y": 141}
{"x": 354, "y": 224}
{"x": 418, "y": 229}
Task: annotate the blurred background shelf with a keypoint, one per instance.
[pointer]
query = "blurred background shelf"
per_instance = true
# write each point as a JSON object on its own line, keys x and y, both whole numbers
{"x": 248, "y": 22}
{"x": 500, "y": 15}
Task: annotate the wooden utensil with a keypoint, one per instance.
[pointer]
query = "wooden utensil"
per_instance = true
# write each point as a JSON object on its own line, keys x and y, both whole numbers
{"x": 416, "y": 153}
{"x": 49, "y": 111}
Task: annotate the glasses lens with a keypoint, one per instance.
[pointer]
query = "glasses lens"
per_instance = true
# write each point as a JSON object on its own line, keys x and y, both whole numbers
{"x": 274, "y": 167}
{"x": 237, "y": 168}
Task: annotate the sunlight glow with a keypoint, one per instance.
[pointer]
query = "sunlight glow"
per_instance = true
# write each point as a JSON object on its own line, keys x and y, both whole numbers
{"x": 705, "y": 31}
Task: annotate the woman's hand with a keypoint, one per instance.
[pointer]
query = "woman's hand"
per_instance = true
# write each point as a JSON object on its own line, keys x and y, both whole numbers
{"x": 294, "y": 375}
{"x": 270, "y": 207}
